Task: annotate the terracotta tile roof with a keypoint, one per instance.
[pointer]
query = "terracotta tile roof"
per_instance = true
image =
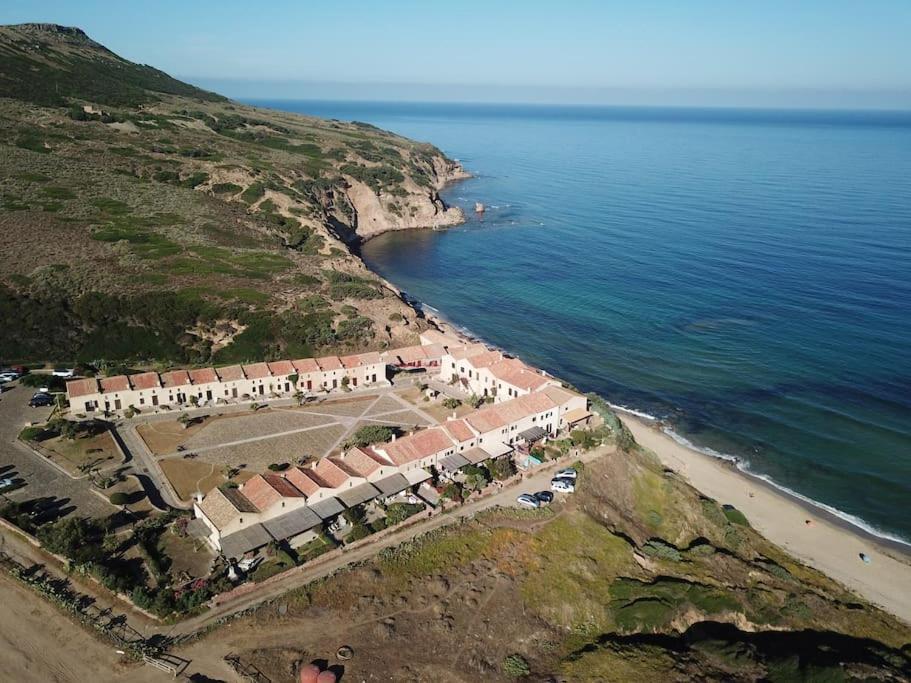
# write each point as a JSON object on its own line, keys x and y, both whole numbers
{"x": 230, "y": 373}
{"x": 116, "y": 383}
{"x": 82, "y": 387}
{"x": 222, "y": 506}
{"x": 536, "y": 402}
{"x": 329, "y": 363}
{"x": 264, "y": 490}
{"x": 281, "y": 368}
{"x": 203, "y": 376}
{"x": 462, "y": 352}
{"x": 416, "y": 446}
{"x": 409, "y": 354}
{"x": 559, "y": 395}
{"x": 486, "y": 419}
{"x": 330, "y": 475}
{"x": 145, "y": 380}
{"x": 303, "y": 482}
{"x": 257, "y": 371}
{"x": 485, "y": 360}
{"x": 358, "y": 360}
{"x": 175, "y": 378}
{"x": 514, "y": 372}
{"x": 459, "y": 430}
{"x": 305, "y": 365}
{"x": 434, "y": 351}
{"x": 358, "y": 462}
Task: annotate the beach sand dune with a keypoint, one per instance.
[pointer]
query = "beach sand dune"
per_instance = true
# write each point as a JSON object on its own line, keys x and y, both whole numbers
{"x": 824, "y": 543}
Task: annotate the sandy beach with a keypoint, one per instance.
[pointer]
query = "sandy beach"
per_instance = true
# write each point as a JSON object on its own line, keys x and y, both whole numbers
{"x": 827, "y": 544}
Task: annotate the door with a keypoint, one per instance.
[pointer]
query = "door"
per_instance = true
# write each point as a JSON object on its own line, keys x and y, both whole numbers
{"x": 154, "y": 399}
{"x": 234, "y": 392}
{"x": 116, "y": 404}
{"x": 309, "y": 385}
{"x": 208, "y": 394}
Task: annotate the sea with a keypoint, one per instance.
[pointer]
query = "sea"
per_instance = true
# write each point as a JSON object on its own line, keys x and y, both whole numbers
{"x": 742, "y": 275}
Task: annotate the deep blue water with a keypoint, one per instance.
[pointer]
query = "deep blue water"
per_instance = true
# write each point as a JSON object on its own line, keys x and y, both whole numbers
{"x": 744, "y": 274}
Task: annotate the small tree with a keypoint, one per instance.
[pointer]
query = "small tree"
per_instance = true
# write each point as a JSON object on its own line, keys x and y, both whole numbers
{"x": 370, "y": 434}
{"x": 194, "y": 401}
{"x": 476, "y": 478}
{"x": 451, "y": 403}
{"x": 69, "y": 430}
{"x": 184, "y": 420}
{"x": 501, "y": 468}
{"x": 345, "y": 382}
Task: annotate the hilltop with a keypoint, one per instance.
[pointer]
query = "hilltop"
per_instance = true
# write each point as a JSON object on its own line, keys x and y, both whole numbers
{"x": 148, "y": 220}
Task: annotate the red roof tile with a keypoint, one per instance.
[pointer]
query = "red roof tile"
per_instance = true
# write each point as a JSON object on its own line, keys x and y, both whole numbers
{"x": 257, "y": 371}
{"x": 175, "y": 378}
{"x": 330, "y": 475}
{"x": 230, "y": 373}
{"x": 459, "y": 430}
{"x": 203, "y": 376}
{"x": 359, "y": 462}
{"x": 145, "y": 380}
{"x": 116, "y": 383}
{"x": 302, "y": 480}
{"x": 305, "y": 365}
{"x": 82, "y": 387}
{"x": 329, "y": 363}
{"x": 281, "y": 368}
{"x": 416, "y": 446}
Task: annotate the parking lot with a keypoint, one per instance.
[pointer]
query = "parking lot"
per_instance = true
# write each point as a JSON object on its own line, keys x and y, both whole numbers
{"x": 35, "y": 477}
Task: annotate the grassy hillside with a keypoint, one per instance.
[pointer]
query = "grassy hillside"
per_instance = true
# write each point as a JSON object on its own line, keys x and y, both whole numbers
{"x": 145, "y": 219}
{"x": 635, "y": 578}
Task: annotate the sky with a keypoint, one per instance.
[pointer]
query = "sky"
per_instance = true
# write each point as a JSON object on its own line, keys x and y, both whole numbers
{"x": 791, "y": 53}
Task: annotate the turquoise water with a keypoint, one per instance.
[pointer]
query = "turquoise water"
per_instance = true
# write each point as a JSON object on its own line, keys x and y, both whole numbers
{"x": 744, "y": 275}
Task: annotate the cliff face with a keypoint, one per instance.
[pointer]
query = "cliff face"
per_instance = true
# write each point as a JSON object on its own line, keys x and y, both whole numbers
{"x": 422, "y": 207}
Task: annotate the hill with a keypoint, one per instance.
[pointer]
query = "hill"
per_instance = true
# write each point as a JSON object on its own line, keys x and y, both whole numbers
{"x": 146, "y": 220}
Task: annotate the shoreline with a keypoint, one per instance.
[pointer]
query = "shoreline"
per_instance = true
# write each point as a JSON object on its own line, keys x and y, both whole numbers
{"x": 829, "y": 544}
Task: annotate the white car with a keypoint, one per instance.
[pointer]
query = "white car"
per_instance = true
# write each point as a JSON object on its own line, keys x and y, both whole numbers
{"x": 66, "y": 373}
{"x": 568, "y": 473}
{"x": 528, "y": 500}
{"x": 5, "y": 482}
{"x": 562, "y": 485}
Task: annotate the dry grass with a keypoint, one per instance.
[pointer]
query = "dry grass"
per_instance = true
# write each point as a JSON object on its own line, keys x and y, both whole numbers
{"x": 72, "y": 454}
{"x": 189, "y": 476}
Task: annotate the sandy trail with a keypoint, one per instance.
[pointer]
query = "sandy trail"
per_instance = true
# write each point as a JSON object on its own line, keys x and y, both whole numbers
{"x": 830, "y": 547}
{"x": 39, "y": 643}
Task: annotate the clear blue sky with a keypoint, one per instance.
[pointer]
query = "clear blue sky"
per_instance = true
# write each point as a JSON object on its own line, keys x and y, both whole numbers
{"x": 788, "y": 52}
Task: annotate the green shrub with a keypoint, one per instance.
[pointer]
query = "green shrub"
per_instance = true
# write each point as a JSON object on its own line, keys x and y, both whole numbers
{"x": 370, "y": 434}
{"x": 119, "y": 498}
{"x": 516, "y": 665}
{"x": 451, "y": 403}
{"x": 735, "y": 516}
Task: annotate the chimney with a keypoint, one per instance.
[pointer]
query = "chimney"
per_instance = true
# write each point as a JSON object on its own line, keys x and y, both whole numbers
{"x": 393, "y": 436}
{"x": 453, "y": 415}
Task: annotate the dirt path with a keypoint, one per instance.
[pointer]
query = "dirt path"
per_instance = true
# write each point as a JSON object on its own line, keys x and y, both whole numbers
{"x": 39, "y": 643}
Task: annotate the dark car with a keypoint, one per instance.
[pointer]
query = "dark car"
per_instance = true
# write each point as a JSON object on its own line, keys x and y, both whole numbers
{"x": 544, "y": 497}
{"x": 41, "y": 400}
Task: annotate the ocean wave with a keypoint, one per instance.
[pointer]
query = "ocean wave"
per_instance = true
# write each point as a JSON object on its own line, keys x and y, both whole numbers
{"x": 744, "y": 466}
